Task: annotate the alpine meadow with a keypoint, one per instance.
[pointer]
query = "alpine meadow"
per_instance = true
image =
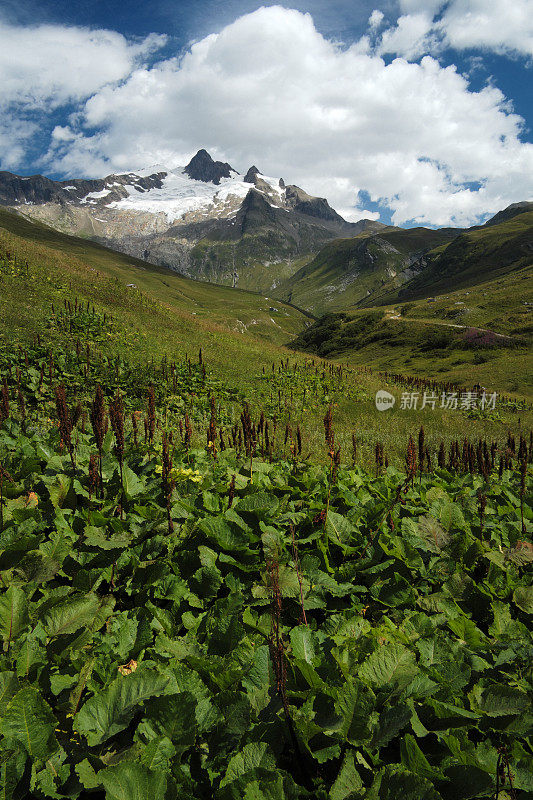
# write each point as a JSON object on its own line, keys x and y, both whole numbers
{"x": 266, "y": 458}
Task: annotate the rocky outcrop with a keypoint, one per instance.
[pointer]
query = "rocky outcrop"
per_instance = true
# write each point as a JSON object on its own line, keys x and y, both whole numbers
{"x": 17, "y": 190}
{"x": 251, "y": 175}
{"x": 202, "y": 168}
{"x": 318, "y": 207}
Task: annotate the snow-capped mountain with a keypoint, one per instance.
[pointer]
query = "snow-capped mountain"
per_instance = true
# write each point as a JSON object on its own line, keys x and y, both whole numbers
{"x": 204, "y": 219}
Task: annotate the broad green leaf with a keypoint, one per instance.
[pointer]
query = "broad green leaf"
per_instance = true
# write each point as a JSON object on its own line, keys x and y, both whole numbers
{"x": 391, "y": 722}
{"x": 396, "y": 783}
{"x": 451, "y": 516}
{"x": 262, "y": 504}
{"x": 469, "y": 781}
{"x": 83, "y": 677}
{"x": 338, "y": 527}
{"x": 112, "y": 709}
{"x": 158, "y": 753}
{"x": 171, "y": 716}
{"x": 354, "y": 705}
{"x": 523, "y": 597}
{"x": 36, "y": 567}
{"x": 468, "y": 631}
{"x": 521, "y": 554}
{"x": 88, "y": 777}
{"x": 348, "y": 782}
{"x": 414, "y": 759}
{"x": 71, "y": 614}
{"x": 256, "y": 754}
{"x": 218, "y": 530}
{"x": 9, "y": 686}
{"x": 391, "y": 664}
{"x": 28, "y": 719}
{"x": 258, "y": 680}
{"x": 31, "y": 655}
{"x": 97, "y": 537}
{"x": 132, "y": 484}
{"x": 303, "y": 643}
{"x": 12, "y": 765}
{"x": 132, "y": 781}
{"x": 431, "y": 532}
{"x": 13, "y": 613}
{"x": 500, "y": 700}
{"x": 59, "y": 488}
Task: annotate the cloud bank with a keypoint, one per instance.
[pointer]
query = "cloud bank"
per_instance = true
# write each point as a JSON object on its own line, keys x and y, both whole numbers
{"x": 428, "y": 26}
{"x": 270, "y": 89}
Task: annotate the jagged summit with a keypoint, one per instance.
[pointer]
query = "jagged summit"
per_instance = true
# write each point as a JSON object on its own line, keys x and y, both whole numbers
{"x": 203, "y": 168}
{"x": 251, "y": 175}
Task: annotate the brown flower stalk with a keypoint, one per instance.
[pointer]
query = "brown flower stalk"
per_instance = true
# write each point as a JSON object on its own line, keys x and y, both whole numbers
{"x": 329, "y": 434}
{"x": 523, "y": 473}
{"x": 22, "y": 409}
{"x": 4, "y": 402}
{"x": 411, "y": 459}
{"x": 421, "y": 449}
{"x": 231, "y": 493}
{"x": 135, "y": 429}
{"x": 187, "y": 436}
{"x": 441, "y": 458}
{"x": 65, "y": 421}
{"x": 97, "y": 417}
{"x": 212, "y": 429}
{"x": 277, "y": 653}
{"x": 4, "y": 476}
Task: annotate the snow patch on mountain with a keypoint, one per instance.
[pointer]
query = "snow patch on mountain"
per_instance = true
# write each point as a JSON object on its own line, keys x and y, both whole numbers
{"x": 180, "y": 196}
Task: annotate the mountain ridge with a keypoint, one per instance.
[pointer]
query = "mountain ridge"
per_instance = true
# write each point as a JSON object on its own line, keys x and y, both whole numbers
{"x": 204, "y": 220}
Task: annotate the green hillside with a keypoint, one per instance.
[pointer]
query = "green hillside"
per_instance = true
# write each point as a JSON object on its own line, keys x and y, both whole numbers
{"x": 472, "y": 258}
{"x": 483, "y": 335}
{"x": 349, "y": 271}
{"x": 104, "y": 274}
{"x": 241, "y": 334}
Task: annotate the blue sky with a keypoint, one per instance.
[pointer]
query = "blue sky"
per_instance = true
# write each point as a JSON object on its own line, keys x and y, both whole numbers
{"x": 418, "y": 111}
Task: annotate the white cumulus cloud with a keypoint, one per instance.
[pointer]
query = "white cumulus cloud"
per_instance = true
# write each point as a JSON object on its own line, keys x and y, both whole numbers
{"x": 425, "y": 26}
{"x": 45, "y": 67}
{"x": 270, "y": 89}
{"x": 54, "y": 64}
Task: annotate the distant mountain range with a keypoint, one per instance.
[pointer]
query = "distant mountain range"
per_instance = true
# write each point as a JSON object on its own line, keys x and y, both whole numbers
{"x": 205, "y": 220}
{"x": 210, "y": 222}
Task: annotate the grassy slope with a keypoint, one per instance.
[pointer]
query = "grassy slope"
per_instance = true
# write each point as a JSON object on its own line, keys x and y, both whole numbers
{"x": 198, "y": 309}
{"x": 345, "y": 271}
{"x": 169, "y": 315}
{"x": 420, "y": 337}
{"x": 474, "y": 257}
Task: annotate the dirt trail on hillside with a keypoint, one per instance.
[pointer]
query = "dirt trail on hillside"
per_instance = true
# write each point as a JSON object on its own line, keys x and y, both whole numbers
{"x": 392, "y": 314}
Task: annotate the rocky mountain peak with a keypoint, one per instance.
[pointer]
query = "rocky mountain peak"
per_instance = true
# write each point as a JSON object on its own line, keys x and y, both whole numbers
{"x": 203, "y": 168}
{"x": 312, "y": 206}
{"x": 251, "y": 175}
